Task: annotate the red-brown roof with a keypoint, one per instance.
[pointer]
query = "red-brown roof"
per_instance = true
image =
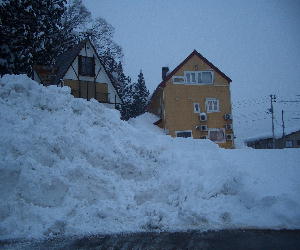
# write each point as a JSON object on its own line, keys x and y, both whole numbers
{"x": 195, "y": 52}
{"x": 157, "y": 122}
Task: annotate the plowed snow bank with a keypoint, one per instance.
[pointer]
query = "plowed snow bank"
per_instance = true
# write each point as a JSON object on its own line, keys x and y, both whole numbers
{"x": 69, "y": 166}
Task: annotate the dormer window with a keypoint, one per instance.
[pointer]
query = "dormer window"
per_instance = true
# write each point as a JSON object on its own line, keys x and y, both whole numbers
{"x": 86, "y": 66}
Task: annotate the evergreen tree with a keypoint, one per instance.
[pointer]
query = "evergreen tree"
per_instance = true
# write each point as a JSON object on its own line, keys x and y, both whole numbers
{"x": 140, "y": 96}
{"x": 135, "y": 98}
{"x": 128, "y": 99}
{"x": 30, "y": 33}
{"x": 35, "y": 32}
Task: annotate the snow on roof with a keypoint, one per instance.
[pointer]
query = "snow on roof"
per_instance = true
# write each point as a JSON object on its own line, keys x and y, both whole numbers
{"x": 270, "y": 135}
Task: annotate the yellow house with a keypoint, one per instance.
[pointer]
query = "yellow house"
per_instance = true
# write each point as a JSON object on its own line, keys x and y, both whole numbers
{"x": 194, "y": 101}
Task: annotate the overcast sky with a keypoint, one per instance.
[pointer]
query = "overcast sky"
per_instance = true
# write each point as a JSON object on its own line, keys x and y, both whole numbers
{"x": 255, "y": 43}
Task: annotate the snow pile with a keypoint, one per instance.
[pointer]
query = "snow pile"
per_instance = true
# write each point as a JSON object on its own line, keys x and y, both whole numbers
{"x": 145, "y": 123}
{"x": 69, "y": 166}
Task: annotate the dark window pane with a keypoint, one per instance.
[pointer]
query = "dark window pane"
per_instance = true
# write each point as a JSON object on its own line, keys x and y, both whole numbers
{"x": 207, "y": 77}
{"x": 199, "y": 78}
{"x": 184, "y": 134}
{"x": 87, "y": 66}
{"x": 217, "y": 135}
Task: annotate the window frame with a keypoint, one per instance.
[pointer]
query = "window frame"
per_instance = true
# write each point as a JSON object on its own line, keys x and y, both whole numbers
{"x": 179, "y": 77}
{"x": 217, "y": 129}
{"x": 80, "y": 63}
{"x": 195, "y": 111}
{"x": 181, "y": 131}
{"x": 196, "y": 82}
{"x": 212, "y": 99}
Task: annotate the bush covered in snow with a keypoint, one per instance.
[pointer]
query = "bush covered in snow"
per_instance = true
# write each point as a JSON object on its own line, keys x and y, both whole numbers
{"x": 70, "y": 166}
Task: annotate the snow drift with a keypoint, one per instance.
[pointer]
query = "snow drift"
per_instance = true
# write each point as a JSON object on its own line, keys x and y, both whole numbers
{"x": 70, "y": 166}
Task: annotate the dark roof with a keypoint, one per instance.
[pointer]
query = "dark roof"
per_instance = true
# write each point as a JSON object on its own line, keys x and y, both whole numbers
{"x": 64, "y": 61}
{"x": 157, "y": 122}
{"x": 195, "y": 52}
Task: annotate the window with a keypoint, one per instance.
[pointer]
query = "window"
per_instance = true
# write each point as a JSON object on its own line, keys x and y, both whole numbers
{"x": 206, "y": 77}
{"x": 212, "y": 105}
{"x": 216, "y": 134}
{"x": 178, "y": 79}
{"x": 196, "y": 108}
{"x": 184, "y": 134}
{"x": 86, "y": 66}
{"x": 298, "y": 142}
{"x": 198, "y": 77}
{"x": 289, "y": 144}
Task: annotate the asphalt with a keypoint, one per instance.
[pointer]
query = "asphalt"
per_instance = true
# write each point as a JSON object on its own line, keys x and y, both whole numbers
{"x": 225, "y": 239}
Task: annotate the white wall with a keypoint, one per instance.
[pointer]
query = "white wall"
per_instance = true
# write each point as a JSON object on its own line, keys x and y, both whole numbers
{"x": 102, "y": 76}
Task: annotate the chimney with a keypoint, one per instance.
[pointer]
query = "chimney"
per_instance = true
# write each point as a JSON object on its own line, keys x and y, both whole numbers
{"x": 164, "y": 71}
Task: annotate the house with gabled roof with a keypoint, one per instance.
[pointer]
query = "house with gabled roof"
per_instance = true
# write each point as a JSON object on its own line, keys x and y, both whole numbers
{"x": 289, "y": 139}
{"x": 81, "y": 69}
{"x": 194, "y": 101}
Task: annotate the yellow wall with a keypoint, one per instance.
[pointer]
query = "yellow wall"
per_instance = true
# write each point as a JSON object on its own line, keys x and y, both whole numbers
{"x": 178, "y": 102}
{"x": 155, "y": 105}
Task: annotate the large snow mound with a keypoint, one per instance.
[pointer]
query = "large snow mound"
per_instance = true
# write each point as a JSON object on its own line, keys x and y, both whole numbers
{"x": 70, "y": 166}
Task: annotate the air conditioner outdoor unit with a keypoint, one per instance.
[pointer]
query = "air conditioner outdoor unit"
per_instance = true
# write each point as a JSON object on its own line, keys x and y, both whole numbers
{"x": 228, "y": 126}
{"x": 229, "y": 137}
{"x": 228, "y": 117}
{"x": 203, "y": 117}
{"x": 204, "y": 137}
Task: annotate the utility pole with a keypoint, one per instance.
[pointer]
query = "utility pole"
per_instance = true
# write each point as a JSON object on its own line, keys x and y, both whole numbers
{"x": 273, "y": 99}
{"x": 283, "y": 127}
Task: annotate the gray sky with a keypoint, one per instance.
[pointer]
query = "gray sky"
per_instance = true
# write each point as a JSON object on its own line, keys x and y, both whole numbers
{"x": 256, "y": 43}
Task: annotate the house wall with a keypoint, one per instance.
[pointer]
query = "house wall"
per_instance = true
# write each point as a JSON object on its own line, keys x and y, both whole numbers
{"x": 156, "y": 104}
{"x": 295, "y": 137}
{"x": 102, "y": 77}
{"x": 179, "y": 99}
{"x": 279, "y": 143}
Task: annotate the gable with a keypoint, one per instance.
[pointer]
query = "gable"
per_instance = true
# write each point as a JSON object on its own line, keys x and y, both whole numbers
{"x": 87, "y": 49}
{"x": 202, "y": 58}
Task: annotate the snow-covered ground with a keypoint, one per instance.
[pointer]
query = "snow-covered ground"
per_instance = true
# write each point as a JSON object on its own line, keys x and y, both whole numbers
{"x": 69, "y": 166}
